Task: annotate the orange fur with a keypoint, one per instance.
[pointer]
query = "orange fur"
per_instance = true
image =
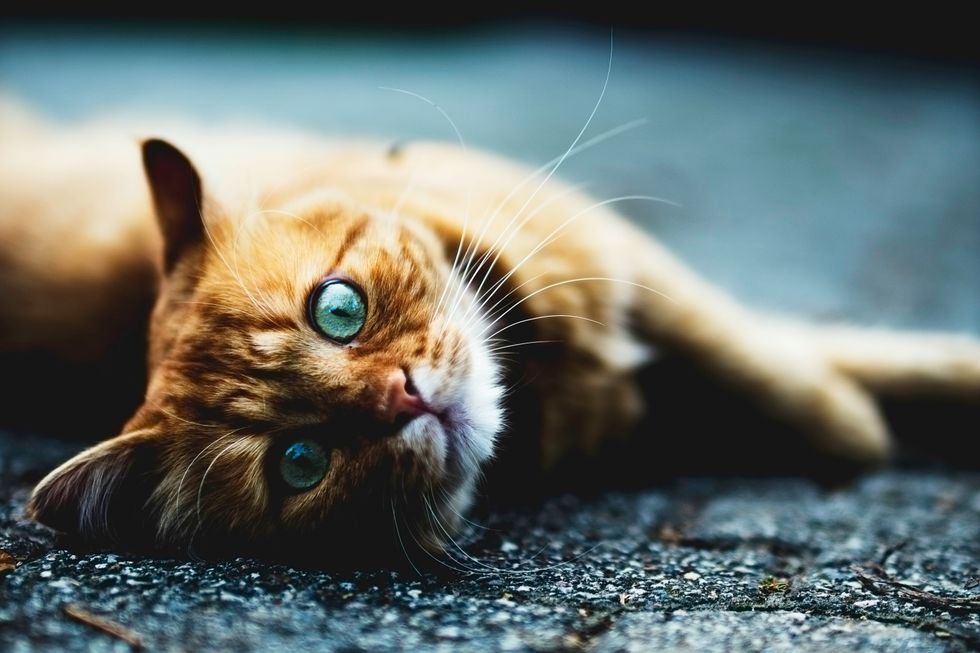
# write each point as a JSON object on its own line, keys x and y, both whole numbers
{"x": 236, "y": 371}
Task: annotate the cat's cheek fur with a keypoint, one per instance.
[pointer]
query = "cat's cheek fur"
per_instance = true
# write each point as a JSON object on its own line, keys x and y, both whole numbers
{"x": 484, "y": 395}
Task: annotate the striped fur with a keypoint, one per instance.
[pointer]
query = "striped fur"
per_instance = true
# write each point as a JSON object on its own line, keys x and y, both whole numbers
{"x": 462, "y": 256}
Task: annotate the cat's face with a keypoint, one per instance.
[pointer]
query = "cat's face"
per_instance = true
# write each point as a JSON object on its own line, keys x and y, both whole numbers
{"x": 319, "y": 388}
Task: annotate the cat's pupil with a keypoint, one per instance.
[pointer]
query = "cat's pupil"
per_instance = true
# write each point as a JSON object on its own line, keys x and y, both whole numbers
{"x": 303, "y": 464}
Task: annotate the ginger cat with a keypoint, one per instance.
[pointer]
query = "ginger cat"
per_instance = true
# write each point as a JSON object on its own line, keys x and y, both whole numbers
{"x": 333, "y": 322}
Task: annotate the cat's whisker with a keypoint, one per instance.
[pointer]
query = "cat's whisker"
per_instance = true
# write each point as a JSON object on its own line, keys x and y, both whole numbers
{"x": 200, "y": 487}
{"x": 595, "y": 140}
{"x": 499, "y": 248}
{"x": 542, "y": 317}
{"x": 405, "y": 193}
{"x": 469, "y": 191}
{"x": 481, "y": 315}
{"x": 580, "y": 280}
{"x": 163, "y": 410}
{"x": 462, "y": 565}
{"x": 508, "y": 572}
{"x": 165, "y": 523}
{"x": 522, "y": 344}
{"x": 452, "y": 123}
{"x": 563, "y": 157}
{"x": 224, "y": 261}
{"x": 459, "y": 567}
{"x": 554, "y": 235}
{"x": 437, "y": 522}
{"x": 510, "y": 390}
{"x": 401, "y": 542}
{"x": 448, "y": 503}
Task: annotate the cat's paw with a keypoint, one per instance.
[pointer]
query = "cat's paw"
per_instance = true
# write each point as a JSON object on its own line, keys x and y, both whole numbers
{"x": 844, "y": 420}
{"x": 794, "y": 377}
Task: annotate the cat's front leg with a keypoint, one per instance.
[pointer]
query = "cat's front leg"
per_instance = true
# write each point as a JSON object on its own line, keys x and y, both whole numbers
{"x": 790, "y": 375}
{"x": 823, "y": 379}
{"x": 843, "y": 370}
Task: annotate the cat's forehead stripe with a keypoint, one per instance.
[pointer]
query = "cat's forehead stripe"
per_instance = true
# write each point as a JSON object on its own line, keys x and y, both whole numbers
{"x": 353, "y": 234}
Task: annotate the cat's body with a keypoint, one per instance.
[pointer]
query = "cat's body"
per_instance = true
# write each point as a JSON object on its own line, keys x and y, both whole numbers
{"x": 410, "y": 409}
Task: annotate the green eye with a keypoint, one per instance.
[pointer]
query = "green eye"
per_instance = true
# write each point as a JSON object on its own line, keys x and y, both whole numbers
{"x": 303, "y": 464}
{"x": 338, "y": 310}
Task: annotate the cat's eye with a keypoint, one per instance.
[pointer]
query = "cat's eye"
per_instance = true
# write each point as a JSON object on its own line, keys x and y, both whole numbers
{"x": 338, "y": 310}
{"x": 303, "y": 464}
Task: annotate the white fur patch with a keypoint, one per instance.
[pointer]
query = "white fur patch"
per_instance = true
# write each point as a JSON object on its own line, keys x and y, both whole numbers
{"x": 269, "y": 342}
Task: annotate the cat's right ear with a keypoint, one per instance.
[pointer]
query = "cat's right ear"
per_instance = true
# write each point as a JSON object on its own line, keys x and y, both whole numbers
{"x": 177, "y": 198}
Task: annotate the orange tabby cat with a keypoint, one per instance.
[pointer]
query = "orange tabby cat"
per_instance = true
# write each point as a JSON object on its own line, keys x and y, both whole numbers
{"x": 332, "y": 324}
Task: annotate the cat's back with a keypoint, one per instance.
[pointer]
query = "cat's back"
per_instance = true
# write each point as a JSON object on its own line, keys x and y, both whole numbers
{"x": 76, "y": 237}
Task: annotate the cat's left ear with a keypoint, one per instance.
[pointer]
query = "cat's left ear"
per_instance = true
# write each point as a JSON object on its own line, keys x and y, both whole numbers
{"x": 101, "y": 493}
{"x": 177, "y": 198}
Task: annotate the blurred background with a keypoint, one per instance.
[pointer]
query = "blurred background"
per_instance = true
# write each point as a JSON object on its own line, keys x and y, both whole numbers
{"x": 831, "y": 171}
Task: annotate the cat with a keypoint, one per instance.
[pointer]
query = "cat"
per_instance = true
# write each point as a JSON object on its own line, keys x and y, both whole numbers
{"x": 335, "y": 327}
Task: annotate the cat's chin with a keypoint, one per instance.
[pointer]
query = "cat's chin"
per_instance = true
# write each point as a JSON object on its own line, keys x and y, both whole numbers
{"x": 447, "y": 440}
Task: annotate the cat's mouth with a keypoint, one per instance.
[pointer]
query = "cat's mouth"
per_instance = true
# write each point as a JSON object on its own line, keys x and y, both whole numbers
{"x": 442, "y": 434}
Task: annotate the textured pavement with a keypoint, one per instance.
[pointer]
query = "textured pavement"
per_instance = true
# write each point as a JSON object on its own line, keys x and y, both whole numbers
{"x": 888, "y": 563}
{"x": 834, "y": 186}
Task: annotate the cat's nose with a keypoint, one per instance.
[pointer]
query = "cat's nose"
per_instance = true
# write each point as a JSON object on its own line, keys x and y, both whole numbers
{"x": 402, "y": 398}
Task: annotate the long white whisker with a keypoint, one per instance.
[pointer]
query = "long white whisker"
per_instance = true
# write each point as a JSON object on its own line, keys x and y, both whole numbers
{"x": 406, "y": 191}
{"x": 435, "y": 106}
{"x": 469, "y": 193}
{"x": 234, "y": 271}
{"x": 513, "y": 572}
{"x": 448, "y": 504}
{"x": 475, "y": 245}
{"x": 551, "y": 237}
{"x": 200, "y": 488}
{"x": 180, "y": 483}
{"x": 567, "y": 153}
{"x": 542, "y": 317}
{"x": 463, "y": 567}
{"x": 497, "y": 252}
{"x": 439, "y": 525}
{"x": 178, "y": 417}
{"x": 401, "y": 542}
{"x": 521, "y": 344}
{"x": 477, "y": 315}
{"x": 580, "y": 279}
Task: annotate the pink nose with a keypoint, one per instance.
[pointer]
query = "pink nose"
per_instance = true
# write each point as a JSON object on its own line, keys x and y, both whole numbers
{"x": 402, "y": 398}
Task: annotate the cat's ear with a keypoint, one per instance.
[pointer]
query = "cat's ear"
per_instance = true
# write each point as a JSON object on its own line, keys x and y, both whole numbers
{"x": 101, "y": 493}
{"x": 177, "y": 198}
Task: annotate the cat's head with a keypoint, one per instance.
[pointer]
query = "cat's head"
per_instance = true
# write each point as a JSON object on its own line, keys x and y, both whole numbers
{"x": 318, "y": 387}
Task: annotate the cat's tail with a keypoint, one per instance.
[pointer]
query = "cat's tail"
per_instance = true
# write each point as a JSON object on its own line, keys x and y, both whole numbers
{"x": 905, "y": 363}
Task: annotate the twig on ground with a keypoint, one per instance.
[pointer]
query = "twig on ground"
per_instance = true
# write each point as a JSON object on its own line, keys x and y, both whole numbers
{"x": 890, "y": 551}
{"x": 875, "y": 579}
{"x": 107, "y": 626}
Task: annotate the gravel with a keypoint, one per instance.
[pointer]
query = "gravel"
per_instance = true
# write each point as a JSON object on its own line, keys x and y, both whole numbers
{"x": 884, "y": 563}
